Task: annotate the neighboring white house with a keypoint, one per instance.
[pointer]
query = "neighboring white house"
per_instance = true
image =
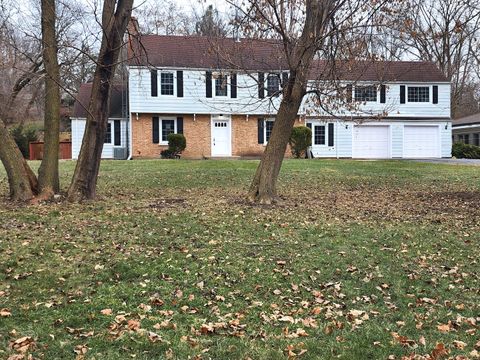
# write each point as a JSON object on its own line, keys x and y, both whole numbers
{"x": 116, "y": 137}
{"x": 181, "y": 84}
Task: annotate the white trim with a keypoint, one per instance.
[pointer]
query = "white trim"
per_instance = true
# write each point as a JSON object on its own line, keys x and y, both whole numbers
{"x": 226, "y": 118}
{"x": 227, "y": 84}
{"x": 459, "y": 127}
{"x": 422, "y": 103}
{"x": 160, "y": 119}
{"x": 174, "y": 73}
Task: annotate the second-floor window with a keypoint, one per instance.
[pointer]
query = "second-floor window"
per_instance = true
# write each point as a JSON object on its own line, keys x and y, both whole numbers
{"x": 166, "y": 83}
{"x": 221, "y": 88}
{"x": 366, "y": 93}
{"x": 418, "y": 94}
{"x": 273, "y": 85}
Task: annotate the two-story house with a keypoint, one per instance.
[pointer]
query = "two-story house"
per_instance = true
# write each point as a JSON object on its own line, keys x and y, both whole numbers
{"x": 223, "y": 96}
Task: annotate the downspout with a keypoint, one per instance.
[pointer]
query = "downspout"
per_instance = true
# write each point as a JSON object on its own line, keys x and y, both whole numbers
{"x": 129, "y": 137}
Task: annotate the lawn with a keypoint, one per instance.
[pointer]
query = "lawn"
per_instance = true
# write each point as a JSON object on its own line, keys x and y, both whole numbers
{"x": 361, "y": 260}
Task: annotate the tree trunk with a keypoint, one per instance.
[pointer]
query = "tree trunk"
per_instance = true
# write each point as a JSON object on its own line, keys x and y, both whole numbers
{"x": 21, "y": 179}
{"x": 263, "y": 187}
{"x": 114, "y": 23}
{"x": 48, "y": 179}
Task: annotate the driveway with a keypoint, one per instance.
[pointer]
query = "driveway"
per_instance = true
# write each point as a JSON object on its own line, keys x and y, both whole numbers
{"x": 473, "y": 162}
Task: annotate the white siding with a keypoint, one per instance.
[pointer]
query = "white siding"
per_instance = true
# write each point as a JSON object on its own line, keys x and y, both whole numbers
{"x": 396, "y": 131}
{"x": 195, "y": 101}
{"x": 78, "y": 129}
{"x": 343, "y": 145}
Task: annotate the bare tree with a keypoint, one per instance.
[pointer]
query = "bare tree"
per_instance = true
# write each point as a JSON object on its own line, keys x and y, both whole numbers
{"x": 306, "y": 30}
{"x": 48, "y": 177}
{"x": 115, "y": 18}
{"x": 447, "y": 33}
{"x": 164, "y": 18}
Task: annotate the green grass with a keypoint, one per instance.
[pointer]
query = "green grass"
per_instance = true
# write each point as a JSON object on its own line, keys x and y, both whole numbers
{"x": 355, "y": 251}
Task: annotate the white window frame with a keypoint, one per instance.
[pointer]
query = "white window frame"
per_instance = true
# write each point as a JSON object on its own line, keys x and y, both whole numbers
{"x": 325, "y": 125}
{"x": 214, "y": 84}
{"x": 271, "y": 75}
{"x": 265, "y": 142}
{"x": 160, "y": 83}
{"x": 430, "y": 95}
{"x": 363, "y": 86}
{"x": 161, "y": 141}
{"x": 111, "y": 134}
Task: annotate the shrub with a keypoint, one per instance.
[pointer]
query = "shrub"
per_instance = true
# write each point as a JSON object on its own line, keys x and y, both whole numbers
{"x": 23, "y": 136}
{"x": 176, "y": 144}
{"x": 465, "y": 151}
{"x": 300, "y": 140}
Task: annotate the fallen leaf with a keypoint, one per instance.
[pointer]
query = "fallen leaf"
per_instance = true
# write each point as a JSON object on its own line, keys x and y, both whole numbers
{"x": 5, "y": 312}
{"x": 106, "y": 312}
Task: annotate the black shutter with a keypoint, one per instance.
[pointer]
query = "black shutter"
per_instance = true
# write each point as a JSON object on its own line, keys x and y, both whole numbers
{"x": 208, "y": 83}
{"x": 233, "y": 85}
{"x": 309, "y": 125}
{"x": 261, "y": 125}
{"x": 261, "y": 85}
{"x": 331, "y": 134}
{"x": 435, "y": 94}
{"x": 117, "y": 133}
{"x": 155, "y": 130}
{"x": 383, "y": 94}
{"x": 284, "y": 79}
{"x": 153, "y": 82}
{"x": 349, "y": 93}
{"x": 179, "y": 125}
{"x": 179, "y": 83}
{"x": 402, "y": 94}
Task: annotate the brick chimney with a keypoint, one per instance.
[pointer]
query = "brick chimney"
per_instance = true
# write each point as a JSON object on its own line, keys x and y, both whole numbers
{"x": 132, "y": 28}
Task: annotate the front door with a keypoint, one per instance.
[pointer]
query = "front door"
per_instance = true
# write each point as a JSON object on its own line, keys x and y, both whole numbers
{"x": 221, "y": 131}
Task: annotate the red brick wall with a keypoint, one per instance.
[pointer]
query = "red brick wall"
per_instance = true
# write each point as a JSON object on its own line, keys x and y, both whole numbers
{"x": 198, "y": 135}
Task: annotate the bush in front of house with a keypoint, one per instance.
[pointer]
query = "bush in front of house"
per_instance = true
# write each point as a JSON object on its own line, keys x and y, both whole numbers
{"x": 176, "y": 144}
{"x": 300, "y": 141}
{"x": 465, "y": 151}
{"x": 23, "y": 136}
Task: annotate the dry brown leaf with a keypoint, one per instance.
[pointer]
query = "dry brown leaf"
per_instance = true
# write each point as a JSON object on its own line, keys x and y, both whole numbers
{"x": 106, "y": 312}
{"x": 439, "y": 352}
{"x": 5, "y": 312}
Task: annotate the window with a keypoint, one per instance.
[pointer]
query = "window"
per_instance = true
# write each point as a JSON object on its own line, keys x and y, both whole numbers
{"x": 319, "y": 135}
{"x": 365, "y": 93}
{"x": 466, "y": 138}
{"x": 273, "y": 85}
{"x": 166, "y": 83}
{"x": 476, "y": 139}
{"x": 108, "y": 134}
{"x": 168, "y": 127}
{"x": 268, "y": 129}
{"x": 221, "y": 88}
{"x": 418, "y": 94}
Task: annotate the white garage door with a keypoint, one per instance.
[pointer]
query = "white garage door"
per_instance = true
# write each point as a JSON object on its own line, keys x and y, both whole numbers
{"x": 420, "y": 141}
{"x": 371, "y": 141}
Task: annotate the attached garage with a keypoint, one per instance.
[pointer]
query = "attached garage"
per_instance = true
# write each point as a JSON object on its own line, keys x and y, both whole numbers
{"x": 371, "y": 141}
{"x": 421, "y": 141}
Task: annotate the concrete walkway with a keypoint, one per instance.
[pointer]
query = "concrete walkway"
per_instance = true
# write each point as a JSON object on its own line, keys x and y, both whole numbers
{"x": 472, "y": 162}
